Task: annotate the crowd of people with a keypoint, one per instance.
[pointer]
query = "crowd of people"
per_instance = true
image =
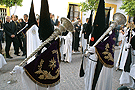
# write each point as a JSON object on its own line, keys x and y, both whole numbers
{"x": 10, "y": 28}
{"x": 14, "y": 25}
{"x": 9, "y": 33}
{"x": 71, "y": 42}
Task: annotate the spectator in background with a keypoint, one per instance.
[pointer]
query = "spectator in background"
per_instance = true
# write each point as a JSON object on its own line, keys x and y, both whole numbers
{"x": 1, "y": 34}
{"x": 58, "y": 24}
{"x": 10, "y": 31}
{"x": 25, "y": 16}
{"x": 21, "y": 22}
{"x": 84, "y": 36}
{"x": 12, "y": 17}
{"x": 117, "y": 34}
{"x": 53, "y": 21}
{"x": 18, "y": 25}
{"x": 73, "y": 38}
{"x": 16, "y": 47}
{"x": 121, "y": 35}
{"x": 76, "y": 35}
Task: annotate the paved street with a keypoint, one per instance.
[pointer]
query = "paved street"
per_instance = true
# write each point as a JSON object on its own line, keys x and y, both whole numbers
{"x": 70, "y": 79}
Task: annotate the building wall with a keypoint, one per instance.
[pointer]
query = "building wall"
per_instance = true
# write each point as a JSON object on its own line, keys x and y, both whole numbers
{"x": 57, "y": 7}
{"x": 8, "y": 10}
{"x": 118, "y": 3}
{"x": 4, "y": 11}
{"x": 60, "y": 7}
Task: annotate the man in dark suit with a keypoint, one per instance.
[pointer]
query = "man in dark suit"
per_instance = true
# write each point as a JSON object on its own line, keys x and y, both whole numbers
{"x": 24, "y": 34}
{"x": 18, "y": 25}
{"x": 1, "y": 34}
{"x": 10, "y": 32}
{"x": 76, "y": 35}
{"x": 54, "y": 23}
{"x": 85, "y": 28}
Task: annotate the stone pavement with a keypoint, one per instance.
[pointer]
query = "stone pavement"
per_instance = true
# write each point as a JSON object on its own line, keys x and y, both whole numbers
{"x": 11, "y": 52}
{"x": 70, "y": 79}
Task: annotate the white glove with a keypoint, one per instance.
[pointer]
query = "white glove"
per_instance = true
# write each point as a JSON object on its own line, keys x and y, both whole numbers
{"x": 127, "y": 46}
{"x": 91, "y": 49}
{"x": 17, "y": 69}
{"x": 93, "y": 56}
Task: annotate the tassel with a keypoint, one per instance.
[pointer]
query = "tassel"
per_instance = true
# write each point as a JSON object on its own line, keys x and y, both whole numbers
{"x": 81, "y": 69}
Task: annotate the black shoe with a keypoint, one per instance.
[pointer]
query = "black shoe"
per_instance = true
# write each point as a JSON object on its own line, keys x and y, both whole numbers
{"x": 23, "y": 54}
{"x": 9, "y": 57}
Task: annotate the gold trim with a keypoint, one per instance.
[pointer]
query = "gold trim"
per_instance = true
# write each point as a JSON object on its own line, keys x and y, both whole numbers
{"x": 101, "y": 60}
{"x": 38, "y": 83}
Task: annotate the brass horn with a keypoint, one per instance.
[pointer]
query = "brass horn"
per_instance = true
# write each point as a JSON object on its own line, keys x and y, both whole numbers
{"x": 66, "y": 25}
{"x": 119, "y": 19}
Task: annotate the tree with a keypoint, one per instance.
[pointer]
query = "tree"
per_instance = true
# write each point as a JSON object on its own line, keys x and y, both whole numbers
{"x": 129, "y": 7}
{"x": 10, "y": 3}
{"x": 89, "y": 5}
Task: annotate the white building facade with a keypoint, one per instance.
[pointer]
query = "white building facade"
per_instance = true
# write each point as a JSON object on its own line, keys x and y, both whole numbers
{"x": 61, "y": 7}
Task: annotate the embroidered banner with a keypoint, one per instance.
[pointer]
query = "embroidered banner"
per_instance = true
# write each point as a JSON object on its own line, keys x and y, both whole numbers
{"x": 105, "y": 51}
{"x": 44, "y": 70}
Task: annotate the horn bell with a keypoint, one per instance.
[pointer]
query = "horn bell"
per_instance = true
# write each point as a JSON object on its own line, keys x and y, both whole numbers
{"x": 67, "y": 24}
{"x": 119, "y": 18}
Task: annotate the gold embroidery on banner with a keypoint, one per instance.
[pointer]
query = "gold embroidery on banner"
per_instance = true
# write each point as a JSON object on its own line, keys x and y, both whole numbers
{"x": 39, "y": 83}
{"x": 114, "y": 39}
{"x": 56, "y": 51}
{"x": 107, "y": 53}
{"x": 45, "y": 74}
{"x": 113, "y": 48}
{"x": 41, "y": 63}
{"x": 107, "y": 46}
{"x": 52, "y": 63}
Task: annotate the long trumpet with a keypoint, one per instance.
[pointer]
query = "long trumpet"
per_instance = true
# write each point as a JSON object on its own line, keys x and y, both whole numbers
{"x": 66, "y": 25}
{"x": 119, "y": 19}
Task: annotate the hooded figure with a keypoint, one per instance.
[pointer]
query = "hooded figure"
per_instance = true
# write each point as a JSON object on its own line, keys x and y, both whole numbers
{"x": 95, "y": 71}
{"x": 42, "y": 72}
{"x": 33, "y": 40}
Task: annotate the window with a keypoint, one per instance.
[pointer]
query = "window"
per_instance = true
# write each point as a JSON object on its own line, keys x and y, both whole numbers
{"x": 75, "y": 11}
{"x": 3, "y": 14}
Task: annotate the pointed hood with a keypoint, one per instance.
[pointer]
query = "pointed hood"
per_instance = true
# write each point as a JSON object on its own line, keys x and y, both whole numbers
{"x": 45, "y": 26}
{"x": 32, "y": 18}
{"x": 99, "y": 23}
{"x": 99, "y": 29}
